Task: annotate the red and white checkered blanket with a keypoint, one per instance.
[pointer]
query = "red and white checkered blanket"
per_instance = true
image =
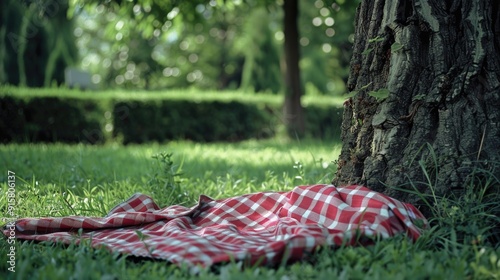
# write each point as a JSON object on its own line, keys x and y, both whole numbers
{"x": 265, "y": 228}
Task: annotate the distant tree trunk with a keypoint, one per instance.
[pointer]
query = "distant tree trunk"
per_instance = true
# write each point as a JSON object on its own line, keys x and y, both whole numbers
{"x": 3, "y": 48}
{"x": 222, "y": 79}
{"x": 440, "y": 62}
{"x": 292, "y": 109}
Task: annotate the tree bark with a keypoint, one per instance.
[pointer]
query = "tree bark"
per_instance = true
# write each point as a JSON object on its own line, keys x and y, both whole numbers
{"x": 439, "y": 61}
{"x": 292, "y": 109}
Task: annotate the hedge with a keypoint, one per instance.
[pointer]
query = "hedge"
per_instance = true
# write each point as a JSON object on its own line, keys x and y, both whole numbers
{"x": 92, "y": 118}
{"x": 323, "y": 122}
{"x": 50, "y": 119}
{"x": 161, "y": 120}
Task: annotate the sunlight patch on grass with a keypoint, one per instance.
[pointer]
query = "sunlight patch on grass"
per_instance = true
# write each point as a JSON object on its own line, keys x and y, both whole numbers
{"x": 60, "y": 179}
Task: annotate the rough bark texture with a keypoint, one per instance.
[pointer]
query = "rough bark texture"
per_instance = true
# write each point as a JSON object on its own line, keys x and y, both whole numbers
{"x": 443, "y": 107}
{"x": 292, "y": 109}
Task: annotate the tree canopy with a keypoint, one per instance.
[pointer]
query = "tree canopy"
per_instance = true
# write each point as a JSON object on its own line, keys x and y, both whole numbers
{"x": 215, "y": 44}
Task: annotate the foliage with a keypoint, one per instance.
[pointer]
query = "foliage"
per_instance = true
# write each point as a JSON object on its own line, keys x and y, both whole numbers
{"x": 323, "y": 122}
{"x": 326, "y": 29}
{"x": 214, "y": 44}
{"x": 261, "y": 69}
{"x": 50, "y": 119}
{"x": 165, "y": 183}
{"x": 37, "y": 42}
{"x": 47, "y": 174}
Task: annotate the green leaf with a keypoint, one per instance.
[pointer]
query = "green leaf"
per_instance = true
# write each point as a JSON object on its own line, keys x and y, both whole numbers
{"x": 354, "y": 92}
{"x": 380, "y": 94}
{"x": 366, "y": 86}
{"x": 376, "y": 39}
{"x": 351, "y": 94}
{"x": 367, "y": 51}
{"x": 140, "y": 235}
{"x": 418, "y": 97}
{"x": 396, "y": 47}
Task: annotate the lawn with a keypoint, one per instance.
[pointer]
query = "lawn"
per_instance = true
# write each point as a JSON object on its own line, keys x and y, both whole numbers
{"x": 61, "y": 180}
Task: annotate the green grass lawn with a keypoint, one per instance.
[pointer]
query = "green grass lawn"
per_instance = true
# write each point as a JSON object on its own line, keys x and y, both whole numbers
{"x": 216, "y": 170}
{"x": 60, "y": 180}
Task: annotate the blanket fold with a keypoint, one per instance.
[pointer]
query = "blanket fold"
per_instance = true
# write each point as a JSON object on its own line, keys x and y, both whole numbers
{"x": 264, "y": 227}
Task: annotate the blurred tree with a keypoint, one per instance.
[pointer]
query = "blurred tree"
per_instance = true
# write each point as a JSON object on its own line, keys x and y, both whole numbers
{"x": 326, "y": 36}
{"x": 36, "y": 42}
{"x": 293, "y": 112}
{"x": 230, "y": 44}
{"x": 261, "y": 69}
{"x": 114, "y": 48}
{"x": 181, "y": 54}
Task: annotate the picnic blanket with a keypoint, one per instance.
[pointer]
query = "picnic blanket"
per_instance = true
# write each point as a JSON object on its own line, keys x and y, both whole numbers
{"x": 263, "y": 228}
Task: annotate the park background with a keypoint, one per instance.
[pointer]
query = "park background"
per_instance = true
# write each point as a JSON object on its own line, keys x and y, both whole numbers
{"x": 213, "y": 51}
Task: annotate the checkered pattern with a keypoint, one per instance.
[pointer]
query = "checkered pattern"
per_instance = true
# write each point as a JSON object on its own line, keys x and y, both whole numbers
{"x": 265, "y": 228}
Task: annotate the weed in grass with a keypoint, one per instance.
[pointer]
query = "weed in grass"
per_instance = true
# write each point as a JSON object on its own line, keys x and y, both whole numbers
{"x": 300, "y": 171}
{"x": 165, "y": 182}
{"x": 92, "y": 203}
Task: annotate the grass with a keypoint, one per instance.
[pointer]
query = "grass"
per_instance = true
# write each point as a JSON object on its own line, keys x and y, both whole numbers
{"x": 60, "y": 180}
{"x": 217, "y": 170}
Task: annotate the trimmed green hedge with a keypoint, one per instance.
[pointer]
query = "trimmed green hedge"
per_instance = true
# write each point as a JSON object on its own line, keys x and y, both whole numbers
{"x": 323, "y": 122}
{"x": 161, "y": 120}
{"x": 50, "y": 119}
{"x": 97, "y": 118}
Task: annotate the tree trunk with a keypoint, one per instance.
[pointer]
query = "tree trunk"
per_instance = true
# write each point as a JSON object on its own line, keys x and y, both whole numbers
{"x": 222, "y": 79}
{"x": 439, "y": 61}
{"x": 292, "y": 108}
